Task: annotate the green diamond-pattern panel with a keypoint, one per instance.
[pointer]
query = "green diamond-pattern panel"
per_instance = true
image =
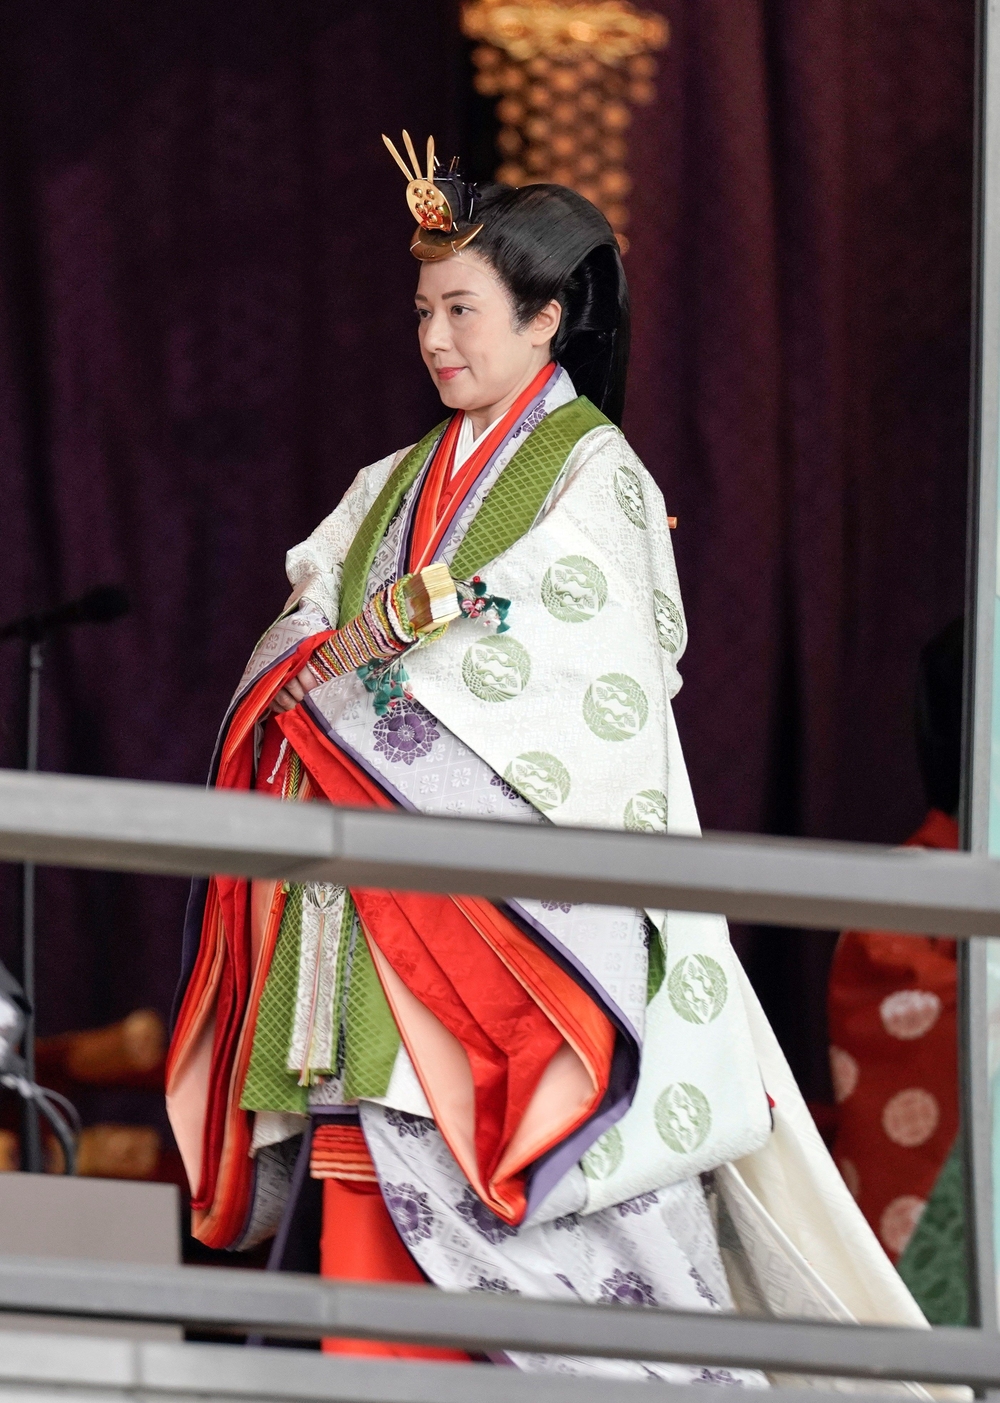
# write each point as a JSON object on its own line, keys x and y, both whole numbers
{"x": 270, "y": 1086}
{"x": 372, "y": 1039}
{"x": 358, "y": 561}
{"x": 517, "y": 497}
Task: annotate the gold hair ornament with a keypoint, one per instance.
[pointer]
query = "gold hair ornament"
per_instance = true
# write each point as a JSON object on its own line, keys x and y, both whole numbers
{"x": 430, "y": 206}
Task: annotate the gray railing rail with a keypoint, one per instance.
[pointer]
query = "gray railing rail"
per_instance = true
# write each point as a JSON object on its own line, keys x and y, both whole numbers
{"x": 304, "y": 1307}
{"x": 103, "y": 1370}
{"x": 128, "y": 825}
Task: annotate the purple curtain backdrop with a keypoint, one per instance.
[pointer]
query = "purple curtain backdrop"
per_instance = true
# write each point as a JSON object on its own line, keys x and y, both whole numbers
{"x": 205, "y": 330}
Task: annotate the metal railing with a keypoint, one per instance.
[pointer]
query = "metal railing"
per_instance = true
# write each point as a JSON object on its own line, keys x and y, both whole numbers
{"x": 132, "y": 826}
{"x": 128, "y": 825}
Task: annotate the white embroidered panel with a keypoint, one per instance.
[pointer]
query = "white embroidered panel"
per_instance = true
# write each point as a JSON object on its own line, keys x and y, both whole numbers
{"x": 572, "y": 707}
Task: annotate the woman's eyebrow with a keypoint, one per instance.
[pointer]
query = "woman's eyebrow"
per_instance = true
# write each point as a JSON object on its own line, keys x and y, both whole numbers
{"x": 459, "y": 292}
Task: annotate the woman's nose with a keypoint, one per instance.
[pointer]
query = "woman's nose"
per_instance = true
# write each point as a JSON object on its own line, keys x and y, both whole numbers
{"x": 436, "y": 332}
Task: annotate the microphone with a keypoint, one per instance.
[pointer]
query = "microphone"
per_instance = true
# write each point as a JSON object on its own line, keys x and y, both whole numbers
{"x": 97, "y": 606}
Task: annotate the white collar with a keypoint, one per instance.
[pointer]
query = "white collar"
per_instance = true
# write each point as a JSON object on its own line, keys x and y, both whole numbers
{"x": 466, "y": 442}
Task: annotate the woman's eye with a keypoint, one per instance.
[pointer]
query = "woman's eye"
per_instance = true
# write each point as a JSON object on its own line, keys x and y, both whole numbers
{"x": 421, "y": 313}
{"x": 459, "y": 309}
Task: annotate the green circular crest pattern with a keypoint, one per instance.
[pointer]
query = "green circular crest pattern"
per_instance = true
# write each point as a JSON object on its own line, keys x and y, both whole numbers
{"x": 646, "y": 812}
{"x": 574, "y": 589}
{"x": 496, "y": 669}
{"x": 604, "y": 1156}
{"x": 669, "y": 624}
{"x": 615, "y": 707}
{"x": 540, "y": 778}
{"x": 628, "y": 491}
{"x": 683, "y": 1117}
{"x": 698, "y": 988}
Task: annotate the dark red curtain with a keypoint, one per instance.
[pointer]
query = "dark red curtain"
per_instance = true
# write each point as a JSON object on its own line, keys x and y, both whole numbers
{"x": 205, "y": 332}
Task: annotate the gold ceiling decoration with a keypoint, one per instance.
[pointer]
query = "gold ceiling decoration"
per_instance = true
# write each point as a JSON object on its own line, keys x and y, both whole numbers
{"x": 566, "y": 74}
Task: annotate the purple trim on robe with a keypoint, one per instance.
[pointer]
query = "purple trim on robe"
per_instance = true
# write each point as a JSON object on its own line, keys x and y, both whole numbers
{"x": 580, "y": 970}
{"x": 546, "y": 1172}
{"x": 299, "y": 1175}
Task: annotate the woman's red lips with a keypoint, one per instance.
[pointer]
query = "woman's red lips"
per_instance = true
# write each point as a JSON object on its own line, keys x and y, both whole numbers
{"x": 448, "y": 372}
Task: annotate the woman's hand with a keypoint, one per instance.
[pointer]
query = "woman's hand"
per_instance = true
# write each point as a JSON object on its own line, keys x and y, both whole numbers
{"x": 295, "y": 691}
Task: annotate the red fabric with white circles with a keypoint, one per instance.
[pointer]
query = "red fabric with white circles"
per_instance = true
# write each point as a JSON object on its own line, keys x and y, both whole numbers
{"x": 894, "y": 1060}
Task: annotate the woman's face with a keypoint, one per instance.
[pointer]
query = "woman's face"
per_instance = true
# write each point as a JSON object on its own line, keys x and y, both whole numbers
{"x": 477, "y": 358}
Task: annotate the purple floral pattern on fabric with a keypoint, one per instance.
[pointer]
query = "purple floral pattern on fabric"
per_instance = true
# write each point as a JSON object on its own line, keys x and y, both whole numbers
{"x": 642, "y": 1204}
{"x": 556, "y": 906}
{"x": 720, "y": 1376}
{"x": 508, "y": 790}
{"x": 406, "y": 733}
{"x": 406, "y": 1124}
{"x": 701, "y": 1287}
{"x": 478, "y": 1216}
{"x": 568, "y": 1284}
{"x": 496, "y": 1283}
{"x": 531, "y": 421}
{"x": 410, "y": 1212}
{"x": 566, "y": 1223}
{"x": 626, "y": 1288}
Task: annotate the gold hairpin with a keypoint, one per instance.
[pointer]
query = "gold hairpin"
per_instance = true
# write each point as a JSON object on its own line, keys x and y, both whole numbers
{"x": 428, "y": 205}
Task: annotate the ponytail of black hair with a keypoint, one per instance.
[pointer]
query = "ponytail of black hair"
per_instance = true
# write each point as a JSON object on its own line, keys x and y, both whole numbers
{"x": 545, "y": 243}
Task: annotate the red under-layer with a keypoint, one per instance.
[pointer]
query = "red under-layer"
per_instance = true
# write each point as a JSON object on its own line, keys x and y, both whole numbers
{"x": 448, "y": 952}
{"x": 360, "y": 1243}
{"x": 458, "y": 955}
{"x": 227, "y": 920}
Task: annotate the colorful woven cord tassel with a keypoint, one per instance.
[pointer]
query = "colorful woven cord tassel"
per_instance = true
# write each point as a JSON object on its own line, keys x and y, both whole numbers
{"x": 399, "y": 616}
{"x": 476, "y": 602}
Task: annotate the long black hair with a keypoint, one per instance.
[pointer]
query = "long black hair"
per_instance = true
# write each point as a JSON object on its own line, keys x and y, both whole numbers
{"x": 547, "y": 242}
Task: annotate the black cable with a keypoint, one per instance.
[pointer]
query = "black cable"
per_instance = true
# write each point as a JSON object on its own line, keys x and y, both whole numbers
{"x": 31, "y": 1091}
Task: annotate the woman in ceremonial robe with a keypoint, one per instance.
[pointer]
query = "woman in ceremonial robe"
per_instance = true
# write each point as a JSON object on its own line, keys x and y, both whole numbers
{"x": 560, "y": 1100}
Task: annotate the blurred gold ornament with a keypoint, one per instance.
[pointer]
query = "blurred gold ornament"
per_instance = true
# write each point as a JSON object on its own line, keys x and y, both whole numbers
{"x": 615, "y": 182}
{"x": 575, "y": 67}
{"x": 509, "y": 141}
{"x": 488, "y": 84}
{"x": 565, "y": 80}
{"x": 616, "y": 117}
{"x": 510, "y": 110}
{"x": 537, "y": 128}
{"x": 642, "y": 66}
{"x": 608, "y": 30}
{"x": 537, "y": 67}
{"x": 641, "y": 93}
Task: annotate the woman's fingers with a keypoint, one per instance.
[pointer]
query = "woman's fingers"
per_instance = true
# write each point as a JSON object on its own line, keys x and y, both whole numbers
{"x": 294, "y": 691}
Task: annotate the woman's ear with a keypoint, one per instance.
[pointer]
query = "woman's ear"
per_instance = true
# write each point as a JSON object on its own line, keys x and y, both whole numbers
{"x": 545, "y": 325}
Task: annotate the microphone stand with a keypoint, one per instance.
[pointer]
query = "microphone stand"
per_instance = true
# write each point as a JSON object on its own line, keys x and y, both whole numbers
{"x": 31, "y": 1153}
{"x": 100, "y": 605}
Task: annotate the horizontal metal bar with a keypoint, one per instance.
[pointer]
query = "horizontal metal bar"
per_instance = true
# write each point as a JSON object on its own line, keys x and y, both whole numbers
{"x": 303, "y": 1307}
{"x": 199, "y": 1371}
{"x": 128, "y": 825}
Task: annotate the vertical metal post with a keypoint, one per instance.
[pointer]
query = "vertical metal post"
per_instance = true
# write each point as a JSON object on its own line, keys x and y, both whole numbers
{"x": 31, "y": 1154}
{"x": 981, "y": 625}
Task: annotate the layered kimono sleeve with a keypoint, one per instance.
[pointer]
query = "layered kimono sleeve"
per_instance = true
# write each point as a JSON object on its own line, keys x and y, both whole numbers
{"x": 315, "y": 566}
